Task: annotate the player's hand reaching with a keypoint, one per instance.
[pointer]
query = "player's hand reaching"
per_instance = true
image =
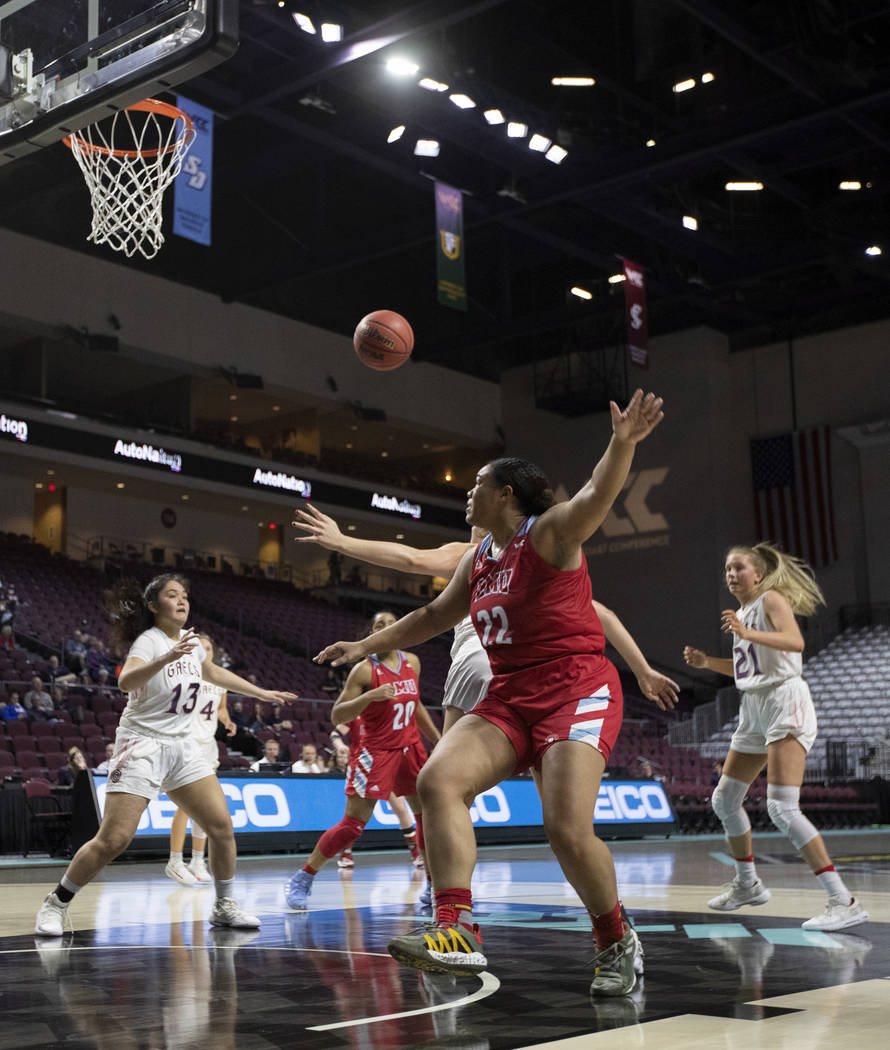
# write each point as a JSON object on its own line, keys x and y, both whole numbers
{"x": 183, "y": 647}
{"x": 319, "y": 527}
{"x": 694, "y": 657}
{"x": 275, "y": 696}
{"x": 639, "y": 419}
{"x": 340, "y": 653}
{"x": 661, "y": 690}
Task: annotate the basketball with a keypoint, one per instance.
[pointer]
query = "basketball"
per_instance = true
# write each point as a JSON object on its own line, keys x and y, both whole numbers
{"x": 383, "y": 340}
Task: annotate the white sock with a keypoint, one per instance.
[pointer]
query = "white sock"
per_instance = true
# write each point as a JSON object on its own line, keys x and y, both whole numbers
{"x": 834, "y": 886}
{"x": 224, "y": 887}
{"x": 175, "y": 858}
{"x": 746, "y": 872}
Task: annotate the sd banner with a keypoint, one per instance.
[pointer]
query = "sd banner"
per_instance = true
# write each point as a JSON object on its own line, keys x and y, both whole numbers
{"x": 192, "y": 200}
{"x": 635, "y": 308}
{"x": 450, "y": 272}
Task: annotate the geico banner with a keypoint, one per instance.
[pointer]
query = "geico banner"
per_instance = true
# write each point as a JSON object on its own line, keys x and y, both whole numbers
{"x": 314, "y": 804}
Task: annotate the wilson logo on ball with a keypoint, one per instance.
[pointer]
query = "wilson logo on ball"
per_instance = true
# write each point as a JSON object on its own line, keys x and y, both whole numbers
{"x": 383, "y": 340}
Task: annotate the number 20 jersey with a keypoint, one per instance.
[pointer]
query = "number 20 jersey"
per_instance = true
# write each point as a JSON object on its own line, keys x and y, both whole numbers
{"x": 390, "y": 725}
{"x": 537, "y": 623}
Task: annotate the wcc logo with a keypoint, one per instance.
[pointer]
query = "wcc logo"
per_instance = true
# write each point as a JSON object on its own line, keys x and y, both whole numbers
{"x": 631, "y": 523}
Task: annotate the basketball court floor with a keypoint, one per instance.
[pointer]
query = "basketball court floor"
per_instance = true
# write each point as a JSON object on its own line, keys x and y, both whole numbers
{"x": 143, "y": 968}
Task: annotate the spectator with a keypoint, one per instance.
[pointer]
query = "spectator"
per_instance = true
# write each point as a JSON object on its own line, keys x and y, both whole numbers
{"x": 96, "y": 660}
{"x": 76, "y": 651}
{"x": 104, "y": 767}
{"x": 12, "y": 710}
{"x": 716, "y": 773}
{"x": 37, "y": 700}
{"x": 242, "y": 739}
{"x": 7, "y": 625}
{"x": 76, "y": 762}
{"x": 333, "y": 683}
{"x": 334, "y": 569}
{"x": 338, "y": 764}
{"x": 269, "y": 759}
{"x": 56, "y": 672}
{"x": 238, "y": 715}
{"x": 309, "y": 761}
{"x": 224, "y": 660}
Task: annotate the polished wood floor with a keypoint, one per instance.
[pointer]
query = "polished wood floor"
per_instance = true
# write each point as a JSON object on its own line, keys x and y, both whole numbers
{"x": 143, "y": 968}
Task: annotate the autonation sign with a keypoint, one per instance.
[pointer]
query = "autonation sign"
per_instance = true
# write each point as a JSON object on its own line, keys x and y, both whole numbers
{"x": 148, "y": 454}
{"x": 315, "y": 804}
{"x": 276, "y": 479}
{"x": 16, "y": 428}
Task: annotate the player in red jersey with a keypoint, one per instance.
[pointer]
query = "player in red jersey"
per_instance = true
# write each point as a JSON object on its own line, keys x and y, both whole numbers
{"x": 554, "y": 701}
{"x": 383, "y": 690}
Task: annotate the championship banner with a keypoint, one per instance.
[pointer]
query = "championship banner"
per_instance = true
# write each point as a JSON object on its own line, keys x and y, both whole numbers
{"x": 450, "y": 273}
{"x": 635, "y": 308}
{"x": 192, "y": 198}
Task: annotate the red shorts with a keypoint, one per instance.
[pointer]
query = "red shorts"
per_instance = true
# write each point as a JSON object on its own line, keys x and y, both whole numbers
{"x": 532, "y": 726}
{"x": 377, "y": 774}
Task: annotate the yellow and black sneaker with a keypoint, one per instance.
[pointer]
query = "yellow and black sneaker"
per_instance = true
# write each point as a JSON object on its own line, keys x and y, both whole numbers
{"x": 441, "y": 947}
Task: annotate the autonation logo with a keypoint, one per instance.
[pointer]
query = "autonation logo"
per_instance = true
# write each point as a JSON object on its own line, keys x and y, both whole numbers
{"x": 400, "y": 506}
{"x": 271, "y": 479}
{"x": 16, "y": 428}
{"x": 148, "y": 454}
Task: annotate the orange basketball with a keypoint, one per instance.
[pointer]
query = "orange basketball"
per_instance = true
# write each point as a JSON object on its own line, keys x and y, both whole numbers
{"x": 383, "y": 340}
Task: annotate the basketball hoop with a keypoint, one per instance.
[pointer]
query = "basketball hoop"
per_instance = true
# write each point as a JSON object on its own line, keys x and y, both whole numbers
{"x": 127, "y": 166}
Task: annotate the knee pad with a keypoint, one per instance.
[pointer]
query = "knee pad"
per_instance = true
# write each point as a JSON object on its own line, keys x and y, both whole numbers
{"x": 727, "y": 805}
{"x": 340, "y": 837}
{"x": 782, "y": 804}
{"x": 418, "y": 825}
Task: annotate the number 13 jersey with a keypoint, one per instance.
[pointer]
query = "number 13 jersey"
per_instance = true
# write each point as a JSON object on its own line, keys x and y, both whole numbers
{"x": 390, "y": 725}
{"x": 537, "y": 623}
{"x": 165, "y": 704}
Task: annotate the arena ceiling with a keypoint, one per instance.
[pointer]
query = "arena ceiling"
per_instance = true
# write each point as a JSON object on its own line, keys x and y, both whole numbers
{"x": 317, "y": 217}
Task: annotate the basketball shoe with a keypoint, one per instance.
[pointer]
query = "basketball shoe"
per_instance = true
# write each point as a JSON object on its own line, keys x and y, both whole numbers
{"x": 227, "y": 912}
{"x": 639, "y": 954}
{"x": 614, "y": 967}
{"x": 734, "y": 895}
{"x": 180, "y": 873}
{"x": 198, "y": 869}
{"x": 837, "y": 915}
{"x": 51, "y": 917}
{"x": 298, "y": 890}
{"x": 441, "y": 947}
{"x": 345, "y": 859}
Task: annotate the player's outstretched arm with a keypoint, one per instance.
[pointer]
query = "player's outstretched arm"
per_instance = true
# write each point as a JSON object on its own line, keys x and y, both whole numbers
{"x": 697, "y": 658}
{"x": 234, "y": 683}
{"x": 661, "y": 690}
{"x": 443, "y": 612}
{"x": 320, "y": 528}
{"x": 568, "y": 525}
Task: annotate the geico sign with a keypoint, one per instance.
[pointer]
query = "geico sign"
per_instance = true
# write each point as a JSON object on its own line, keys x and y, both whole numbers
{"x": 491, "y": 807}
{"x": 257, "y": 805}
{"x": 619, "y": 802}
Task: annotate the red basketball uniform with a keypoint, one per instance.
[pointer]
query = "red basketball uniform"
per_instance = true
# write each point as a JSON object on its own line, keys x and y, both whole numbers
{"x": 390, "y": 754}
{"x": 545, "y": 644}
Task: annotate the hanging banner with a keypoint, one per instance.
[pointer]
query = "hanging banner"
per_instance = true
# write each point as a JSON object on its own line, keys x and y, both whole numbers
{"x": 192, "y": 197}
{"x": 635, "y": 308}
{"x": 450, "y": 274}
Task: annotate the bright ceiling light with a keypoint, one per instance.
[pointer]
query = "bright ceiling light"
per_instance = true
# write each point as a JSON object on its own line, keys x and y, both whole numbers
{"x": 617, "y": 278}
{"x": 850, "y": 184}
{"x": 426, "y": 148}
{"x": 690, "y": 222}
{"x": 744, "y": 187}
{"x": 401, "y": 67}
{"x": 573, "y": 81}
{"x": 396, "y": 133}
{"x": 331, "y": 32}
{"x": 874, "y": 249}
{"x": 707, "y": 78}
{"x": 581, "y": 293}
{"x": 517, "y": 130}
{"x": 556, "y": 154}
{"x": 684, "y": 85}
{"x": 462, "y": 101}
{"x": 650, "y": 143}
{"x": 539, "y": 143}
{"x": 431, "y": 85}
{"x": 304, "y": 22}
{"x": 494, "y": 116}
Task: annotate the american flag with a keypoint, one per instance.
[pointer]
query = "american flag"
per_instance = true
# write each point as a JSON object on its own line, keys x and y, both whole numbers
{"x": 791, "y": 474}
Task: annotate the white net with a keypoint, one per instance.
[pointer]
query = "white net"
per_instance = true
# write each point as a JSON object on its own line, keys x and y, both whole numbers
{"x": 127, "y": 165}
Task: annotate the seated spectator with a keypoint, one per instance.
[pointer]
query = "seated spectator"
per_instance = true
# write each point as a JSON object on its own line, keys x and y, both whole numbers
{"x": 56, "y": 672}
{"x": 267, "y": 716}
{"x": 338, "y": 763}
{"x": 333, "y": 683}
{"x": 37, "y": 700}
{"x": 104, "y": 767}
{"x": 7, "y": 625}
{"x": 96, "y": 660}
{"x": 12, "y": 710}
{"x": 224, "y": 660}
{"x": 76, "y": 651}
{"x": 269, "y": 761}
{"x": 309, "y": 761}
{"x": 76, "y": 762}
{"x": 716, "y": 773}
{"x": 238, "y": 715}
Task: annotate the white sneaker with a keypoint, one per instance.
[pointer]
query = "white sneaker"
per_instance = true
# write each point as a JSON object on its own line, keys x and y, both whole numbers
{"x": 51, "y": 917}
{"x": 835, "y": 916}
{"x": 227, "y": 912}
{"x": 734, "y": 895}
{"x": 345, "y": 860}
{"x": 177, "y": 870}
{"x": 199, "y": 870}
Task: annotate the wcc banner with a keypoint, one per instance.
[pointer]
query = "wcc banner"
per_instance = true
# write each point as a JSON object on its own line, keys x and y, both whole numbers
{"x": 450, "y": 269}
{"x": 793, "y": 505}
{"x": 192, "y": 196}
{"x": 635, "y": 308}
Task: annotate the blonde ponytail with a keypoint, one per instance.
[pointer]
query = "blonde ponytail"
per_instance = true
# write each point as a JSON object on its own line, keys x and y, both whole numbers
{"x": 789, "y": 576}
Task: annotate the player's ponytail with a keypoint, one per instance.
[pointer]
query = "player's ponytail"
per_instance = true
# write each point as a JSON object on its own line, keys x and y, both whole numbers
{"x": 126, "y": 606}
{"x": 531, "y": 489}
{"x": 791, "y": 577}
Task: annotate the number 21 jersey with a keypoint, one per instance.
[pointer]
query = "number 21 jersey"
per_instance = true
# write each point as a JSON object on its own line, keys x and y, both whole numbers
{"x": 388, "y": 725}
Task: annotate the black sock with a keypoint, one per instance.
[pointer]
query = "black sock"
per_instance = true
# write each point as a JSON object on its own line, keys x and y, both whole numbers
{"x": 64, "y": 895}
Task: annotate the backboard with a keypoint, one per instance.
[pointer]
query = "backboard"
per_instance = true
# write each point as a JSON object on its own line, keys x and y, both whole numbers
{"x": 68, "y": 63}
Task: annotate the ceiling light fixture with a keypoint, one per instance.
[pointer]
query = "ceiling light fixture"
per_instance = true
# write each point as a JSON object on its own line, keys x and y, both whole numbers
{"x": 539, "y": 143}
{"x": 581, "y": 293}
{"x": 874, "y": 249}
{"x": 331, "y": 32}
{"x": 121, "y": 485}
{"x": 432, "y": 85}
{"x": 462, "y": 101}
{"x": 573, "y": 81}
{"x": 744, "y": 187}
{"x": 707, "y": 78}
{"x": 402, "y": 67}
{"x": 426, "y": 148}
{"x": 304, "y": 22}
{"x": 556, "y": 154}
{"x": 494, "y": 116}
{"x": 850, "y": 184}
{"x": 683, "y": 85}
{"x": 517, "y": 130}
{"x": 650, "y": 143}
{"x": 396, "y": 133}
{"x": 617, "y": 278}
{"x": 690, "y": 222}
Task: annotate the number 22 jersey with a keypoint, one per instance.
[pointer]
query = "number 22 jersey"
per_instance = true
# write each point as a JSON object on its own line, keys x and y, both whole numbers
{"x": 164, "y": 706}
{"x": 390, "y": 725}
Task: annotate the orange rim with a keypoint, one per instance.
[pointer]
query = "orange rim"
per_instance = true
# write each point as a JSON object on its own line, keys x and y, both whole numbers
{"x": 148, "y": 105}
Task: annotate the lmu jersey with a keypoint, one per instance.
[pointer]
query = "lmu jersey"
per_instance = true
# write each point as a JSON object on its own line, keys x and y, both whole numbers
{"x": 536, "y": 623}
{"x": 389, "y": 725}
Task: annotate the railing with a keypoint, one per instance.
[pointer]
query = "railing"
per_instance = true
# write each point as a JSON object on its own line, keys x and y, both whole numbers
{"x": 706, "y": 719}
